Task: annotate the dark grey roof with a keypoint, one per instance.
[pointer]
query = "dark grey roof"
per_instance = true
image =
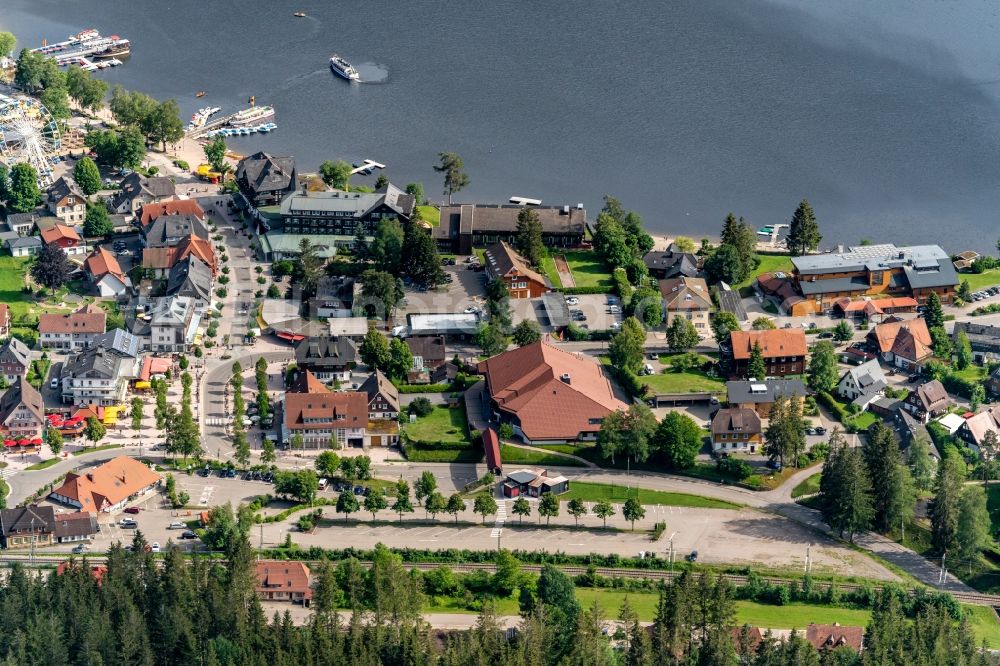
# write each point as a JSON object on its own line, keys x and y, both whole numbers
{"x": 64, "y": 187}
{"x": 168, "y": 230}
{"x": 22, "y": 393}
{"x": 431, "y": 348}
{"x": 730, "y": 301}
{"x": 325, "y": 352}
{"x": 942, "y": 276}
{"x": 15, "y": 351}
{"x": 834, "y": 284}
{"x": 982, "y": 337}
{"x": 672, "y": 263}
{"x": 764, "y": 392}
{"x": 556, "y": 310}
{"x": 118, "y": 341}
{"x": 910, "y": 428}
{"x": 24, "y": 241}
{"x": 522, "y": 476}
{"x": 335, "y": 291}
{"x": 26, "y": 519}
{"x": 378, "y": 383}
{"x": 264, "y": 173}
{"x": 191, "y": 277}
{"x": 135, "y": 185}
{"x": 75, "y": 525}
{"x": 469, "y": 219}
{"x": 868, "y": 376}
{"x": 344, "y": 204}
{"x": 870, "y": 257}
{"x": 93, "y": 362}
{"x": 887, "y": 404}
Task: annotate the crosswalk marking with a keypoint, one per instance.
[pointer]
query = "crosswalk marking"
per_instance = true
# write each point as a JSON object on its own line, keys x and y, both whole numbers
{"x": 500, "y": 520}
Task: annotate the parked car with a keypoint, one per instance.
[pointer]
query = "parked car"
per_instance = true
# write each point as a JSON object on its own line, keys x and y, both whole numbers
{"x": 774, "y": 464}
{"x": 188, "y": 534}
{"x": 825, "y": 335}
{"x": 128, "y": 524}
{"x": 132, "y": 509}
{"x": 54, "y": 384}
{"x": 810, "y": 430}
{"x": 572, "y": 300}
{"x": 176, "y": 526}
{"x": 155, "y": 547}
{"x": 80, "y": 548}
{"x": 231, "y": 474}
{"x": 359, "y": 490}
{"x": 914, "y": 379}
{"x": 692, "y": 556}
{"x": 820, "y": 430}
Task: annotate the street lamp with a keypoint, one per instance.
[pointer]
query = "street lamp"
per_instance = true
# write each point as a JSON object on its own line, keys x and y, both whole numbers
{"x": 672, "y": 551}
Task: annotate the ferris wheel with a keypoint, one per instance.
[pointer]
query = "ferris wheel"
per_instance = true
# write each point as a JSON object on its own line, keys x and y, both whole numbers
{"x": 29, "y": 134}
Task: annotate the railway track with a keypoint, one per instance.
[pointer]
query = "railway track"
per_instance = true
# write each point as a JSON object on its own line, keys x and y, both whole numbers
{"x": 971, "y": 598}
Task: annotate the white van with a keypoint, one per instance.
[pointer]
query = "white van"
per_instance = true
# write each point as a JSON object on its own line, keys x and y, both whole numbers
{"x": 647, "y": 369}
{"x": 322, "y": 483}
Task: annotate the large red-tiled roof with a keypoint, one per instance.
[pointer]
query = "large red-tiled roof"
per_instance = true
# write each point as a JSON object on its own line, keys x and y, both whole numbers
{"x": 528, "y": 382}
{"x": 152, "y": 211}
{"x": 101, "y": 262}
{"x": 160, "y": 258}
{"x": 908, "y": 338}
{"x": 280, "y": 576}
{"x": 773, "y": 343}
{"x": 312, "y": 411}
{"x": 59, "y": 232}
{"x": 75, "y": 322}
{"x": 108, "y": 484}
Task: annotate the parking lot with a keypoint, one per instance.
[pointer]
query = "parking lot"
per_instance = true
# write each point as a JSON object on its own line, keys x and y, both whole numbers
{"x": 467, "y": 289}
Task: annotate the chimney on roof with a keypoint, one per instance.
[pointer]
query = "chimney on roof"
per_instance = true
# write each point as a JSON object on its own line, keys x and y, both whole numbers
{"x": 566, "y": 379}
{"x": 90, "y": 477}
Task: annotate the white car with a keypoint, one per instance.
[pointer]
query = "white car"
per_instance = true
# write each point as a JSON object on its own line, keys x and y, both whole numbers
{"x": 155, "y": 547}
{"x": 177, "y": 526}
{"x": 572, "y": 300}
{"x": 471, "y": 309}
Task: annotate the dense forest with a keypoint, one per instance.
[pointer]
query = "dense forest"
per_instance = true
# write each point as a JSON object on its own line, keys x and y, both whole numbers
{"x": 144, "y": 611}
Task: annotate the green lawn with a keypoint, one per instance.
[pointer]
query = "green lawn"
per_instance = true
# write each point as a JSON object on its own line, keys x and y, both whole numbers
{"x": 12, "y": 270}
{"x": 587, "y": 268}
{"x": 44, "y": 464}
{"x": 807, "y": 487}
{"x": 517, "y": 455}
{"x": 973, "y": 373}
{"x": 91, "y": 449}
{"x": 979, "y": 280}
{"x": 592, "y": 492}
{"x": 441, "y": 425}
{"x": 549, "y": 268}
{"x": 415, "y": 454}
{"x": 769, "y": 263}
{"x": 430, "y": 214}
{"x": 691, "y": 381}
{"x": 863, "y": 420}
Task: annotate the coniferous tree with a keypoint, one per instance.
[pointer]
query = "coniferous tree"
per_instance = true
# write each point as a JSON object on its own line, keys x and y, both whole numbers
{"x": 756, "y": 369}
{"x": 803, "y": 232}
{"x": 845, "y": 489}
{"x": 934, "y": 314}
{"x": 528, "y": 241}
{"x": 892, "y": 492}
{"x": 944, "y": 509}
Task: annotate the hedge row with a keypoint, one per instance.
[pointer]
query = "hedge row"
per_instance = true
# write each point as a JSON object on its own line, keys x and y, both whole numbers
{"x": 830, "y": 403}
{"x": 583, "y": 291}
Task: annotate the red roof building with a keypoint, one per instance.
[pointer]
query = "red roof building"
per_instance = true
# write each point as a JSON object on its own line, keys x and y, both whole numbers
{"x": 107, "y": 487}
{"x": 491, "y": 444}
{"x": 784, "y": 351}
{"x": 172, "y": 207}
{"x": 832, "y": 636}
{"x": 548, "y": 394}
{"x": 283, "y": 581}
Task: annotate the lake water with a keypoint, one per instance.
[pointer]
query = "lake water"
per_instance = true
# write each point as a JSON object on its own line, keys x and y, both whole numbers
{"x": 885, "y": 115}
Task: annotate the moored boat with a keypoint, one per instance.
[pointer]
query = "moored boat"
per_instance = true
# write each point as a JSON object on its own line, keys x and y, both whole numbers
{"x": 253, "y": 115}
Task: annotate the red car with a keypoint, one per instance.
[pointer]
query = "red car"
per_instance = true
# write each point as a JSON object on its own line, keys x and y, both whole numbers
{"x": 132, "y": 509}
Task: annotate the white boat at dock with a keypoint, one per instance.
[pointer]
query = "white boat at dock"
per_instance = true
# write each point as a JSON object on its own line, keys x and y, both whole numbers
{"x": 252, "y": 115}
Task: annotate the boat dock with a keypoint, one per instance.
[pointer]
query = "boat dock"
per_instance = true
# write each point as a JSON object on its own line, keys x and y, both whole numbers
{"x": 78, "y": 49}
{"x": 366, "y": 167}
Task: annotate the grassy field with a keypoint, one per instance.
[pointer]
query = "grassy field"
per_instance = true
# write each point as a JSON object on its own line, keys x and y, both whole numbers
{"x": 973, "y": 373}
{"x": 430, "y": 214}
{"x": 441, "y": 425}
{"x": 807, "y": 487}
{"x": 790, "y": 616}
{"x": 12, "y": 270}
{"x": 592, "y": 492}
{"x": 690, "y": 381}
{"x": 977, "y": 281}
{"x": 769, "y": 263}
{"x": 587, "y": 268}
{"x": 469, "y": 455}
{"x": 517, "y": 455}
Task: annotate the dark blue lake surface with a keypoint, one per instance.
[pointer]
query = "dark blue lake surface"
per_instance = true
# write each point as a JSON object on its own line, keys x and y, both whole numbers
{"x": 885, "y": 115}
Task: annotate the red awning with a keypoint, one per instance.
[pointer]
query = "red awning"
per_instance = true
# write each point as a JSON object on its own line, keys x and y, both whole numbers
{"x": 285, "y": 335}
{"x": 37, "y": 441}
{"x": 9, "y": 443}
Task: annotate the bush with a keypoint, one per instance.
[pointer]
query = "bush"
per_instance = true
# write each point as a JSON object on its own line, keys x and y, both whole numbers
{"x": 181, "y": 164}
{"x": 733, "y": 467}
{"x": 421, "y": 407}
{"x": 830, "y": 403}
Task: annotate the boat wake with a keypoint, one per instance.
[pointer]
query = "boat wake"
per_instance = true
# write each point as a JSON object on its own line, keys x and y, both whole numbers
{"x": 372, "y": 72}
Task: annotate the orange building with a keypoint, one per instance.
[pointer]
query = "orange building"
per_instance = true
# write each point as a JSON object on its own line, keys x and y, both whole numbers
{"x": 503, "y": 263}
{"x": 870, "y": 270}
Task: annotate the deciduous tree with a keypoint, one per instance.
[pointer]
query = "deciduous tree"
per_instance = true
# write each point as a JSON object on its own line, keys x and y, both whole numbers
{"x": 576, "y": 508}
{"x": 526, "y": 333}
{"x": 484, "y": 505}
{"x": 336, "y": 174}
{"x": 87, "y": 176}
{"x": 823, "y": 371}
{"x": 51, "y": 268}
{"x": 681, "y": 335}
{"x": 677, "y": 440}
{"x": 604, "y": 509}
{"x": 97, "y": 222}
{"x": 633, "y": 511}
{"x": 548, "y": 507}
{"x": 521, "y": 508}
{"x": 627, "y": 346}
{"x": 23, "y": 193}
{"x": 374, "y": 350}
{"x": 724, "y": 323}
